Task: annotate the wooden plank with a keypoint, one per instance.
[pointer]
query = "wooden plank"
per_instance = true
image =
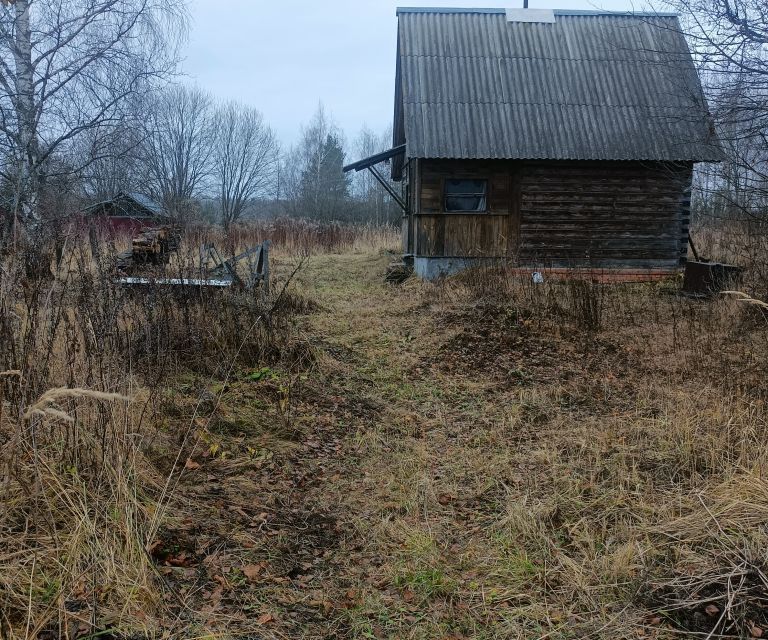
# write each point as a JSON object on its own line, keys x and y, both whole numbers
{"x": 559, "y": 211}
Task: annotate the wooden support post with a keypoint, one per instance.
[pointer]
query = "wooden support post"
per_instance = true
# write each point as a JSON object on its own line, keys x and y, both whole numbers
{"x": 388, "y": 188}
{"x": 264, "y": 258}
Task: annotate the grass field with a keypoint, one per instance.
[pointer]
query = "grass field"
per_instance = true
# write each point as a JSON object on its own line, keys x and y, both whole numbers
{"x": 476, "y": 458}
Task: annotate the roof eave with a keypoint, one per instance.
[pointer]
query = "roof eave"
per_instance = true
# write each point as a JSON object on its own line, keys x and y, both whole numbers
{"x": 558, "y": 12}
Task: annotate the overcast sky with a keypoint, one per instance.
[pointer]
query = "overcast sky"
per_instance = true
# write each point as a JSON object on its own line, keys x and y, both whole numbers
{"x": 285, "y": 56}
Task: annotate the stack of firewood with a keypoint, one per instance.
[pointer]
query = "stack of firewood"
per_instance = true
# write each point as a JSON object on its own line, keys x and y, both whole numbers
{"x": 152, "y": 246}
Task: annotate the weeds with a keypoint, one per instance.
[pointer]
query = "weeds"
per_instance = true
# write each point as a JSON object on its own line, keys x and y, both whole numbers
{"x": 298, "y": 236}
{"x": 742, "y": 242}
{"x": 483, "y": 457}
{"x": 85, "y": 364}
{"x": 587, "y": 303}
{"x": 572, "y": 496}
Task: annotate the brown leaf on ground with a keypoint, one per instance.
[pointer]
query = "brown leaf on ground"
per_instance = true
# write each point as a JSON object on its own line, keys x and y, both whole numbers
{"x": 152, "y": 548}
{"x": 265, "y": 618}
{"x": 191, "y": 464}
{"x": 215, "y": 597}
{"x": 181, "y": 560}
{"x": 252, "y": 571}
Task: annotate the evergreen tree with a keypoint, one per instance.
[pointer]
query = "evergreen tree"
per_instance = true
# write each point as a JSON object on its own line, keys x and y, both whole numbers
{"x": 321, "y": 189}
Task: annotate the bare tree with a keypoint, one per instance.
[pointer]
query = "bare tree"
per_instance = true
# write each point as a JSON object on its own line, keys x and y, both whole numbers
{"x": 373, "y": 202}
{"x": 110, "y": 160}
{"x": 67, "y": 67}
{"x": 729, "y": 40}
{"x": 245, "y": 159}
{"x": 178, "y": 145}
{"x": 315, "y": 184}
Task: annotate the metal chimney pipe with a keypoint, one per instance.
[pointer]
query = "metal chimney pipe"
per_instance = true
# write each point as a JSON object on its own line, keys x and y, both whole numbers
{"x": 525, "y": 4}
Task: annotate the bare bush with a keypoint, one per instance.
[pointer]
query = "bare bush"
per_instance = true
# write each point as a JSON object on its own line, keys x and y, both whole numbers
{"x": 84, "y": 364}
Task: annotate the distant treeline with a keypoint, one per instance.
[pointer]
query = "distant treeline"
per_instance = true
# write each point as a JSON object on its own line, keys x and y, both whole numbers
{"x": 90, "y": 105}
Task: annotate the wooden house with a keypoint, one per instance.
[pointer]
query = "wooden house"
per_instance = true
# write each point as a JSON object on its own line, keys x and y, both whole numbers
{"x": 551, "y": 139}
{"x": 127, "y": 212}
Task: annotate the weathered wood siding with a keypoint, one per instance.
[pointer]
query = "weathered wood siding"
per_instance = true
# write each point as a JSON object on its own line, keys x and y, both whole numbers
{"x": 606, "y": 214}
{"x": 609, "y": 214}
{"x": 488, "y": 234}
{"x": 411, "y": 178}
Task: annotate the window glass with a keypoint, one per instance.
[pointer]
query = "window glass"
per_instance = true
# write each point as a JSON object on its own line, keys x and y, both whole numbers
{"x": 465, "y": 194}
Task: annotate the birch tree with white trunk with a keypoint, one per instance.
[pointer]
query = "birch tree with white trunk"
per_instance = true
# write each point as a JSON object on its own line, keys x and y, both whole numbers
{"x": 315, "y": 184}
{"x": 68, "y": 67}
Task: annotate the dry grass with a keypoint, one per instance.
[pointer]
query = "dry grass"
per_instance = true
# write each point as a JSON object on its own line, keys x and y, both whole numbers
{"x": 482, "y": 457}
{"x": 739, "y": 241}
{"x": 76, "y": 519}
{"x": 297, "y": 236}
{"x": 85, "y": 366}
{"x": 548, "y": 466}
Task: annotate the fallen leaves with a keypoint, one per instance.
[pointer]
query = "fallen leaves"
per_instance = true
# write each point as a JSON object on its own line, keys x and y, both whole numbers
{"x": 265, "y": 618}
{"x": 181, "y": 560}
{"x": 154, "y": 547}
{"x": 214, "y": 597}
{"x": 252, "y": 571}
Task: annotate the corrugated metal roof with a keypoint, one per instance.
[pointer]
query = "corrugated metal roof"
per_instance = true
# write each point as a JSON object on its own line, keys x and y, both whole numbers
{"x": 557, "y": 12}
{"x": 146, "y": 202}
{"x": 591, "y": 86}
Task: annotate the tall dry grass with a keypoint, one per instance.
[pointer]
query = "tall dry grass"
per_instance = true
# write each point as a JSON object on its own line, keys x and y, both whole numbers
{"x": 644, "y": 437}
{"x": 740, "y": 241}
{"x": 83, "y": 367}
{"x": 299, "y": 236}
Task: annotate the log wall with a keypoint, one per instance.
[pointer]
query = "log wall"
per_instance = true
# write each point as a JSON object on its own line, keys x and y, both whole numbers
{"x": 558, "y": 214}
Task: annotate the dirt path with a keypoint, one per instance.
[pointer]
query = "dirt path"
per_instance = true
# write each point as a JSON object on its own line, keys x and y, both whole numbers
{"x": 411, "y": 483}
{"x": 406, "y": 490}
{"x": 292, "y": 475}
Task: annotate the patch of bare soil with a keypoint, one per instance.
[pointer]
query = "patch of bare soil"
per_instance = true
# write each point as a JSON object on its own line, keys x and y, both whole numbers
{"x": 512, "y": 349}
{"x": 258, "y": 545}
